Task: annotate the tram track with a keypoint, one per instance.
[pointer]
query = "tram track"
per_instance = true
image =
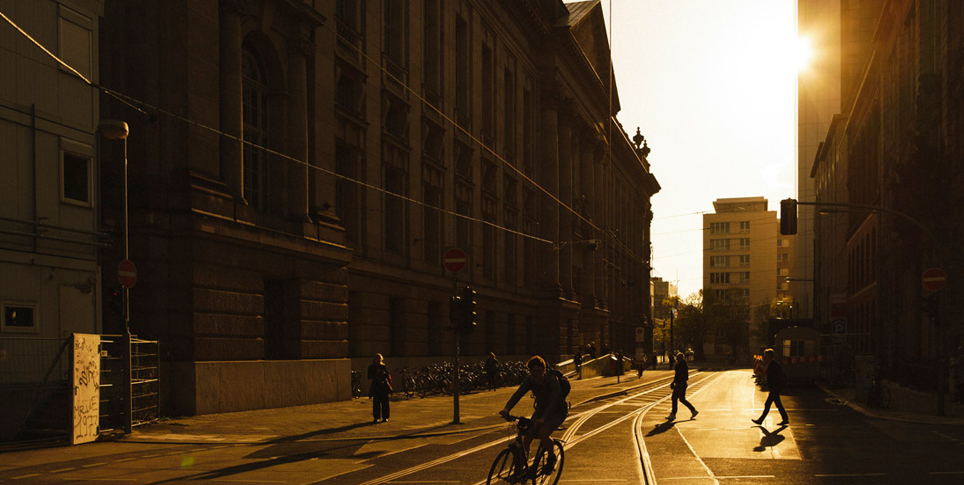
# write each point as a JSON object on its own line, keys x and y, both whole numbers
{"x": 653, "y": 394}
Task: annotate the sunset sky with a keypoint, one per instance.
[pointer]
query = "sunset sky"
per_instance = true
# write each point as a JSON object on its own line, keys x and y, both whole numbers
{"x": 712, "y": 85}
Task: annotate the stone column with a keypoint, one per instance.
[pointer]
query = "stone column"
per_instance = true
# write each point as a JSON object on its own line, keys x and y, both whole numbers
{"x": 599, "y": 219}
{"x": 565, "y": 195}
{"x": 231, "y": 118}
{"x": 297, "y": 180}
{"x": 549, "y": 178}
{"x": 587, "y": 164}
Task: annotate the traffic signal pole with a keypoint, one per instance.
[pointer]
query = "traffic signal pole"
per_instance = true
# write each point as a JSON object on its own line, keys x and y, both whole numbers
{"x": 457, "y": 336}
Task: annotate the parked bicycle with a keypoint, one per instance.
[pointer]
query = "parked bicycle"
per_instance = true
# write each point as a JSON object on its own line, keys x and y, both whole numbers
{"x": 879, "y": 395}
{"x": 511, "y": 466}
{"x": 356, "y": 389}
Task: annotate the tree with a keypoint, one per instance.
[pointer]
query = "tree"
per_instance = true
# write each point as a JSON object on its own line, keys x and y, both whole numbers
{"x": 730, "y": 319}
{"x": 692, "y": 325}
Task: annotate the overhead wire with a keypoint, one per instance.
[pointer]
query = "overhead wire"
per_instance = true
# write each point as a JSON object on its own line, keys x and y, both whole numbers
{"x": 140, "y": 106}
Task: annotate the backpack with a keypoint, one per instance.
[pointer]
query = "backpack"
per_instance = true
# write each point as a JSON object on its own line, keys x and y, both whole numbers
{"x": 564, "y": 384}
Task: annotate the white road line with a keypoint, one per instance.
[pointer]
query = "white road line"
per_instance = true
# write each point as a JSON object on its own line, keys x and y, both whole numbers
{"x": 738, "y": 477}
{"x": 91, "y": 465}
{"x": 25, "y": 476}
{"x": 942, "y": 435}
{"x": 826, "y": 475}
{"x": 124, "y": 459}
{"x": 250, "y": 481}
{"x": 63, "y": 470}
{"x": 688, "y": 478}
{"x": 945, "y": 473}
{"x": 68, "y": 479}
{"x": 680, "y": 432}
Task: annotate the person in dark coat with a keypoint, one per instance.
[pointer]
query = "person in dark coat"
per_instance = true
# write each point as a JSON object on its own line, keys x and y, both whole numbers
{"x": 577, "y": 360}
{"x": 381, "y": 387}
{"x": 679, "y": 387}
{"x": 491, "y": 368}
{"x": 776, "y": 381}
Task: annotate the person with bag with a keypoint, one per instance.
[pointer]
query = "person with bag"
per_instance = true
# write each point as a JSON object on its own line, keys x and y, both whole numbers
{"x": 776, "y": 381}
{"x": 550, "y": 389}
{"x": 679, "y": 387}
{"x": 381, "y": 387}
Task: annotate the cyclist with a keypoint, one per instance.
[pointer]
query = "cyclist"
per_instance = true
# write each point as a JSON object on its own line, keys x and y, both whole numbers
{"x": 551, "y": 407}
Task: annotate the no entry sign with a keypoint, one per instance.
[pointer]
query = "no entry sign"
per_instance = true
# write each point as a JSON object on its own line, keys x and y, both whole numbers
{"x": 127, "y": 273}
{"x": 934, "y": 279}
{"x": 454, "y": 260}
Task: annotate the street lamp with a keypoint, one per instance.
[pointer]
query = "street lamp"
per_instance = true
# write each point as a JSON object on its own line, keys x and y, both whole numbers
{"x": 117, "y": 130}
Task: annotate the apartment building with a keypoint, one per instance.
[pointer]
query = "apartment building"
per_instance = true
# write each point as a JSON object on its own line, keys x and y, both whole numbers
{"x": 741, "y": 244}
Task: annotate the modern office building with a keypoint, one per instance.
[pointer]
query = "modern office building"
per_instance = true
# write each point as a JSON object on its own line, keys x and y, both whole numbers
{"x": 740, "y": 247}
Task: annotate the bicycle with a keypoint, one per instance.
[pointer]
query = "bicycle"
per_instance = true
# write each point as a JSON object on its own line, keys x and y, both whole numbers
{"x": 512, "y": 467}
{"x": 356, "y": 390}
{"x": 879, "y": 395}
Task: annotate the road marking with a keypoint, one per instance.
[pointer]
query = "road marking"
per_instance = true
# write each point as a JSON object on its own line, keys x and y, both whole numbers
{"x": 942, "y": 435}
{"x": 825, "y": 475}
{"x": 25, "y": 476}
{"x": 67, "y": 479}
{"x": 63, "y": 470}
{"x": 124, "y": 459}
{"x": 250, "y": 481}
{"x": 688, "y": 478}
{"x": 90, "y": 465}
{"x": 945, "y": 473}
{"x": 746, "y": 476}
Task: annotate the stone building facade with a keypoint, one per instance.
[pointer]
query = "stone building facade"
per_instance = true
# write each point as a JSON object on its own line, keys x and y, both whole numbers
{"x": 300, "y": 167}
{"x": 895, "y": 145}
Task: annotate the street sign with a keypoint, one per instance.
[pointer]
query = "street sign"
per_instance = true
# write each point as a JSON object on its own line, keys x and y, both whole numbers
{"x": 839, "y": 329}
{"x": 127, "y": 273}
{"x": 454, "y": 260}
{"x": 640, "y": 335}
{"x": 934, "y": 279}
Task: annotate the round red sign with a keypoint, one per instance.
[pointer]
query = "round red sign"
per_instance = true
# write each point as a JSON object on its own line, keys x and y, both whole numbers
{"x": 934, "y": 279}
{"x": 454, "y": 260}
{"x": 127, "y": 273}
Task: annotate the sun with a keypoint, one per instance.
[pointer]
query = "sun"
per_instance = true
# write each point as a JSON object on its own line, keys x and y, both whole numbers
{"x": 803, "y": 53}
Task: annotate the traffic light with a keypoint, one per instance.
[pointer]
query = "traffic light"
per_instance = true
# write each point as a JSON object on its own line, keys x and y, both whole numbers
{"x": 467, "y": 320}
{"x": 788, "y": 217}
{"x": 116, "y": 300}
{"x": 455, "y": 313}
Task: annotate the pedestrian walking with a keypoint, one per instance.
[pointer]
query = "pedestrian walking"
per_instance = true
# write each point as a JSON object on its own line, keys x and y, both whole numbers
{"x": 380, "y": 388}
{"x": 776, "y": 381}
{"x": 577, "y": 360}
{"x": 640, "y": 365}
{"x": 679, "y": 387}
{"x": 591, "y": 350}
{"x": 491, "y": 368}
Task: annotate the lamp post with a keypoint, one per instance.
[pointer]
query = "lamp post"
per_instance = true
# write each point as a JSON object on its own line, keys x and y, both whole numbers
{"x": 118, "y": 130}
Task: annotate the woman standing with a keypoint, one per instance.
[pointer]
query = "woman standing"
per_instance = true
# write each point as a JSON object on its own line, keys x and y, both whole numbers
{"x": 381, "y": 387}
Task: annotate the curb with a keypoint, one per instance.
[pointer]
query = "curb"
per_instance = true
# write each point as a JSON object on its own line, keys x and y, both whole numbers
{"x": 902, "y": 417}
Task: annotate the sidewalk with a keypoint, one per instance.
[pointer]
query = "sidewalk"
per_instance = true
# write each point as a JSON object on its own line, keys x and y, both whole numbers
{"x": 907, "y": 405}
{"x": 352, "y": 420}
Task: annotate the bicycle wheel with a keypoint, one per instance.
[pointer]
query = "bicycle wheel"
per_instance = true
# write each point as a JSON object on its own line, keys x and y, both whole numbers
{"x": 552, "y": 477}
{"x": 503, "y": 468}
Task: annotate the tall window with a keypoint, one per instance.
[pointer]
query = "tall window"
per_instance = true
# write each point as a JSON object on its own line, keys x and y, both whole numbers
{"x": 744, "y": 227}
{"x": 744, "y": 243}
{"x": 395, "y": 27}
{"x": 488, "y": 92}
{"x": 744, "y": 260}
{"x": 719, "y": 277}
{"x": 433, "y": 223}
{"x": 346, "y": 189}
{"x": 394, "y": 216}
{"x": 508, "y": 91}
{"x": 432, "y": 57}
{"x": 462, "y": 62}
{"x": 254, "y": 90}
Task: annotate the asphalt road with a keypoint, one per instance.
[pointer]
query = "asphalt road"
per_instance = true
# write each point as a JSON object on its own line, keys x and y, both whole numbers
{"x": 616, "y": 434}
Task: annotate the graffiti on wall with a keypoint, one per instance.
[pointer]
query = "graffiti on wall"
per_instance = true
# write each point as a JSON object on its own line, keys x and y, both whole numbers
{"x": 86, "y": 386}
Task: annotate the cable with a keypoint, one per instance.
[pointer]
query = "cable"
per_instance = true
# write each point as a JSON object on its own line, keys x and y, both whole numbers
{"x": 133, "y": 102}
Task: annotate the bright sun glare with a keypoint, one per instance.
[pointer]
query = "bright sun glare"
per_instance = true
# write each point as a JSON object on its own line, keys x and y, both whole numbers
{"x": 804, "y": 53}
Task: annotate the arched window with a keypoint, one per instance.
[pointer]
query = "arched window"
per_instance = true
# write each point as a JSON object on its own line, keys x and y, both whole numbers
{"x": 255, "y": 113}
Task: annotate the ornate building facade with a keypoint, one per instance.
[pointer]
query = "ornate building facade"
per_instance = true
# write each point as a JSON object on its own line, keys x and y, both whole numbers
{"x": 300, "y": 167}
